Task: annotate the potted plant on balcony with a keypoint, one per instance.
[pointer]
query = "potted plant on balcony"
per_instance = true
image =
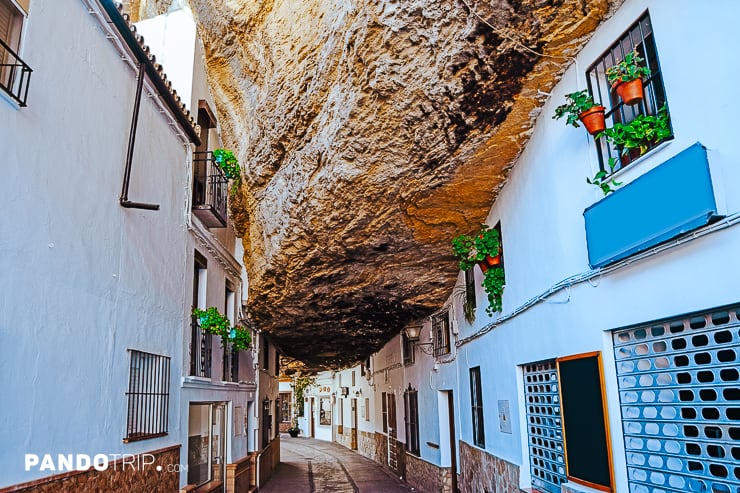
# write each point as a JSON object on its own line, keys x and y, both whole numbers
{"x": 626, "y": 77}
{"x": 483, "y": 249}
{"x": 580, "y": 105}
{"x": 227, "y": 163}
{"x": 214, "y": 322}
{"x": 640, "y": 134}
{"x": 294, "y": 430}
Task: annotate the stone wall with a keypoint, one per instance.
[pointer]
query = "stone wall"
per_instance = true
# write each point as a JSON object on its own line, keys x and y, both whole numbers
{"x": 343, "y": 435}
{"x": 119, "y": 477}
{"x": 481, "y": 471}
{"x": 366, "y": 445}
{"x": 427, "y": 477}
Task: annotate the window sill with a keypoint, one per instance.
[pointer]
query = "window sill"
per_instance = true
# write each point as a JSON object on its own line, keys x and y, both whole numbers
{"x": 634, "y": 165}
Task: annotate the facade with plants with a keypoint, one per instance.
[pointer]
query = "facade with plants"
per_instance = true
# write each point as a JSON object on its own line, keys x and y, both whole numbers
{"x": 609, "y": 359}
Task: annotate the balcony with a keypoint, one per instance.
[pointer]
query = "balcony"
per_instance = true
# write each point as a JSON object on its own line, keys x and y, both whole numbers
{"x": 200, "y": 350}
{"x": 210, "y": 191}
{"x": 14, "y": 74}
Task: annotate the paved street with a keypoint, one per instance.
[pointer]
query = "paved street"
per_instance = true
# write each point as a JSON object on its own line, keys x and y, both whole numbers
{"x": 309, "y": 465}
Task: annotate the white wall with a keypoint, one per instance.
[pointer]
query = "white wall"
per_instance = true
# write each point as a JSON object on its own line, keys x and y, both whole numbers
{"x": 85, "y": 279}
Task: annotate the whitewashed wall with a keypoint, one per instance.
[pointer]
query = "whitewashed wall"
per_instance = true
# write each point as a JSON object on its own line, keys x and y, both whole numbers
{"x": 85, "y": 279}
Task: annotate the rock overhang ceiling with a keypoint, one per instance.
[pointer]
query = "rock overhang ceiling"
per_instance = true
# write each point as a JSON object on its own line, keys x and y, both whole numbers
{"x": 371, "y": 133}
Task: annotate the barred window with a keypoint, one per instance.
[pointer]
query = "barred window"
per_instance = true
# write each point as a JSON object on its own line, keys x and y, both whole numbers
{"x": 148, "y": 396}
{"x": 441, "y": 332}
{"x": 640, "y": 37}
{"x": 407, "y": 348}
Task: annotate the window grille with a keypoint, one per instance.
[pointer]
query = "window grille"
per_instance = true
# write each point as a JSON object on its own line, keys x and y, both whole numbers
{"x": 148, "y": 396}
{"x": 411, "y": 416}
{"x": 476, "y": 404}
{"x": 384, "y": 411}
{"x": 15, "y": 74}
{"x": 407, "y": 348}
{"x": 200, "y": 350}
{"x": 230, "y": 363}
{"x": 680, "y": 397}
{"x": 639, "y": 36}
{"x": 441, "y": 331}
{"x": 544, "y": 426}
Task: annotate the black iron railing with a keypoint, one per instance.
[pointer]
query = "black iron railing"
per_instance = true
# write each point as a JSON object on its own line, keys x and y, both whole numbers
{"x": 15, "y": 74}
{"x": 148, "y": 396}
{"x": 210, "y": 190}
{"x": 200, "y": 350}
{"x": 230, "y": 364}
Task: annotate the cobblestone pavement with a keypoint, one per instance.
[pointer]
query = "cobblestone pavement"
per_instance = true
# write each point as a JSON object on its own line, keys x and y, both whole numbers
{"x": 309, "y": 465}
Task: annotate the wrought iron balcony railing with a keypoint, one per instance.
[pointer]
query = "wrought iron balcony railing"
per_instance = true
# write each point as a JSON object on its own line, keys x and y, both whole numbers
{"x": 200, "y": 350}
{"x": 15, "y": 74}
{"x": 210, "y": 191}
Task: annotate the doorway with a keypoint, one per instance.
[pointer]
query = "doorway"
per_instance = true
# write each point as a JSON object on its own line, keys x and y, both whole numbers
{"x": 447, "y": 438}
{"x": 353, "y": 424}
{"x": 206, "y": 442}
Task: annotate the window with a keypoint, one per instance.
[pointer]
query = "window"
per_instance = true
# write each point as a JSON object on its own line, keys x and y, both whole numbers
{"x": 476, "y": 404}
{"x": 230, "y": 355}
{"x": 639, "y": 36}
{"x": 285, "y": 414}
{"x": 367, "y": 409}
{"x": 148, "y": 396}
{"x": 441, "y": 332}
{"x": 411, "y": 417}
{"x": 14, "y": 73}
{"x": 470, "y": 301}
{"x": 353, "y": 378}
{"x": 567, "y": 440}
{"x": 340, "y": 416}
{"x": 265, "y": 351}
{"x": 679, "y": 387}
{"x": 324, "y": 411}
{"x": 200, "y": 341}
{"x": 266, "y": 423}
{"x": 384, "y": 411}
{"x": 407, "y": 347}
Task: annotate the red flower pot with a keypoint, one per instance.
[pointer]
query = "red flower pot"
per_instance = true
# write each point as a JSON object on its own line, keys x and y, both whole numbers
{"x": 593, "y": 119}
{"x": 630, "y": 92}
{"x": 489, "y": 262}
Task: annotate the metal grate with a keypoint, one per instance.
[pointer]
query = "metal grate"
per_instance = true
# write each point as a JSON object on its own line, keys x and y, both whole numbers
{"x": 200, "y": 350}
{"x": 441, "y": 332}
{"x": 210, "y": 190}
{"x": 680, "y": 399}
{"x": 148, "y": 396}
{"x": 544, "y": 426}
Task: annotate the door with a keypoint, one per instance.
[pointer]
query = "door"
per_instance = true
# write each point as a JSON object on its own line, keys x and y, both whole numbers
{"x": 393, "y": 455}
{"x": 312, "y": 418}
{"x": 218, "y": 442}
{"x": 453, "y": 440}
{"x": 353, "y": 424}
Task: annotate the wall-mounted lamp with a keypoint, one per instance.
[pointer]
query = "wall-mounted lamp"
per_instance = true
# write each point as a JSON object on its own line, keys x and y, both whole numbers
{"x": 412, "y": 333}
{"x": 358, "y": 393}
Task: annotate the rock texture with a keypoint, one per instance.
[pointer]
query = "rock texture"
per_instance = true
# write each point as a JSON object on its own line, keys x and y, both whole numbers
{"x": 371, "y": 132}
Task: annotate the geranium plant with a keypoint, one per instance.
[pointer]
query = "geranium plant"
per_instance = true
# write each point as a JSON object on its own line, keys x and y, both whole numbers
{"x": 481, "y": 249}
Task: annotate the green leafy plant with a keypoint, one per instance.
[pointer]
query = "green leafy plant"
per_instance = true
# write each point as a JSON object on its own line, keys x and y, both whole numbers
{"x": 577, "y": 103}
{"x": 214, "y": 322}
{"x": 473, "y": 249}
{"x": 468, "y": 305}
{"x": 627, "y": 69}
{"x": 602, "y": 180}
{"x": 493, "y": 283}
{"x": 228, "y": 163}
{"x": 641, "y": 133}
{"x": 299, "y": 386}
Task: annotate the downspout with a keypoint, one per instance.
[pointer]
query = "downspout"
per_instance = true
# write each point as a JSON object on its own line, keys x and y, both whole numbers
{"x": 125, "y": 202}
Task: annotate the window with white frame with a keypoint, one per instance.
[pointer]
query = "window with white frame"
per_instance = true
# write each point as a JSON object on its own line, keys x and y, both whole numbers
{"x": 476, "y": 405}
{"x": 639, "y": 38}
{"x": 411, "y": 418}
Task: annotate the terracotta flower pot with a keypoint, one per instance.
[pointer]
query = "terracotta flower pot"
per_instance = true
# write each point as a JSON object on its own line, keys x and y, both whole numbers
{"x": 593, "y": 119}
{"x": 489, "y": 262}
{"x": 630, "y": 92}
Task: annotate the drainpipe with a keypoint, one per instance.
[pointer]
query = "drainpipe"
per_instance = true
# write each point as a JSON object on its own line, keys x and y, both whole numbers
{"x": 125, "y": 202}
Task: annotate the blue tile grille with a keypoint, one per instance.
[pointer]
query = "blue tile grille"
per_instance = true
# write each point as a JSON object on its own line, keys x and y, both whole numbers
{"x": 679, "y": 388}
{"x": 544, "y": 426}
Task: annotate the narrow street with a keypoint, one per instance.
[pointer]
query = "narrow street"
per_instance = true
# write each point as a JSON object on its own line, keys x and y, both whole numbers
{"x": 309, "y": 465}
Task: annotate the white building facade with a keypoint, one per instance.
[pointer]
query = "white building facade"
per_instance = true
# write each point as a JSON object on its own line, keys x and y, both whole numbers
{"x": 612, "y": 365}
{"x": 118, "y": 227}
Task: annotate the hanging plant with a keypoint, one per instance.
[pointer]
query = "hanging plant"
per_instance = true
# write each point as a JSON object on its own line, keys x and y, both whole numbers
{"x": 483, "y": 249}
{"x": 214, "y": 322}
{"x": 626, "y": 77}
{"x": 227, "y": 163}
{"x": 580, "y": 106}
